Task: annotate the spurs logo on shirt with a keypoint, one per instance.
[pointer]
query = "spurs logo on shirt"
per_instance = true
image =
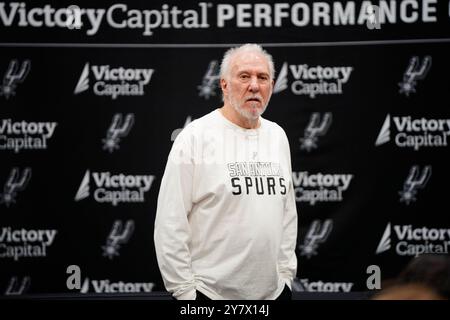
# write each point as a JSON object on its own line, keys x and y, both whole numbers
{"x": 261, "y": 178}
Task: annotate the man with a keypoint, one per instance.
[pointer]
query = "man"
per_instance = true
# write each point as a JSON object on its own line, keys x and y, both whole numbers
{"x": 226, "y": 221}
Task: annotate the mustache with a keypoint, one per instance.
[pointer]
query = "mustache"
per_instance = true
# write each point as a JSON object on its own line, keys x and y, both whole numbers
{"x": 253, "y": 98}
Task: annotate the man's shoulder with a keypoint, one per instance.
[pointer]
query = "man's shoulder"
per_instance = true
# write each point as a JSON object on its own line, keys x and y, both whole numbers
{"x": 275, "y": 130}
{"x": 203, "y": 122}
{"x": 272, "y": 125}
{"x": 197, "y": 126}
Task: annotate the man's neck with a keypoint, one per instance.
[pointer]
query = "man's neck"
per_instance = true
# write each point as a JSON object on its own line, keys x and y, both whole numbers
{"x": 233, "y": 116}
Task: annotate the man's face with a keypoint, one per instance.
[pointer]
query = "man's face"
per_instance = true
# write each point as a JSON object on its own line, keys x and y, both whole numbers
{"x": 248, "y": 85}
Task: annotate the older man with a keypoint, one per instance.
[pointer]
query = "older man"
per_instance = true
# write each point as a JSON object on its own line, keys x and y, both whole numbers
{"x": 226, "y": 221}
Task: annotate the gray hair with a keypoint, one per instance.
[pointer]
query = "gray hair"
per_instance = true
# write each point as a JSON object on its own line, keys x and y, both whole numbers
{"x": 249, "y": 47}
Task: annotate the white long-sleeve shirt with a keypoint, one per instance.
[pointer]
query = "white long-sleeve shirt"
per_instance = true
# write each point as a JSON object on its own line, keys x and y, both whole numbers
{"x": 226, "y": 221}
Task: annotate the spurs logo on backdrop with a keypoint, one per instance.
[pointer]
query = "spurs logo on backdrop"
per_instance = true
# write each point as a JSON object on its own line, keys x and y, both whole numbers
{"x": 114, "y": 82}
{"x": 13, "y": 76}
{"x": 210, "y": 81}
{"x": 118, "y": 236}
{"x": 115, "y": 188}
{"x": 413, "y": 241}
{"x": 16, "y": 287}
{"x": 413, "y": 182}
{"x": 118, "y": 129}
{"x": 414, "y": 133}
{"x": 314, "y": 130}
{"x": 14, "y": 184}
{"x": 312, "y": 81}
{"x": 316, "y": 234}
{"x": 176, "y": 132}
{"x": 414, "y": 72}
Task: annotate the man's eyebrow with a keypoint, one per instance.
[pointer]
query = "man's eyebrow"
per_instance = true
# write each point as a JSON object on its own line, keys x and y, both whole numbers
{"x": 258, "y": 73}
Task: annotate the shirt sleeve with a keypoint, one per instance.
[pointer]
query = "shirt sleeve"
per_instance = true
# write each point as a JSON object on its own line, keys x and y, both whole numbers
{"x": 172, "y": 231}
{"x": 287, "y": 260}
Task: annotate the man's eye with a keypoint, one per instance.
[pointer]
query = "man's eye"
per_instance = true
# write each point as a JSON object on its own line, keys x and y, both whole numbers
{"x": 244, "y": 76}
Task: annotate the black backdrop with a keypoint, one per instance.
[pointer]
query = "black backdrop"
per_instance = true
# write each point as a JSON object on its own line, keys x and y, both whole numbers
{"x": 368, "y": 221}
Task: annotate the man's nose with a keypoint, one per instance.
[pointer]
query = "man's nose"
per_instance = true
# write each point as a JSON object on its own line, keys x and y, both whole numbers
{"x": 254, "y": 85}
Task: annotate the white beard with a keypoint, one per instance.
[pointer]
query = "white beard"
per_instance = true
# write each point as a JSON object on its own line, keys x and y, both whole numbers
{"x": 244, "y": 112}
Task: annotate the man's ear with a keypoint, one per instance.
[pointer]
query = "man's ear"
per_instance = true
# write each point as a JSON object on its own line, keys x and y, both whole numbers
{"x": 272, "y": 84}
{"x": 224, "y": 85}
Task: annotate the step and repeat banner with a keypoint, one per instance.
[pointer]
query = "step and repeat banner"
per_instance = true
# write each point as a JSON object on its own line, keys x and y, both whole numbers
{"x": 93, "y": 93}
